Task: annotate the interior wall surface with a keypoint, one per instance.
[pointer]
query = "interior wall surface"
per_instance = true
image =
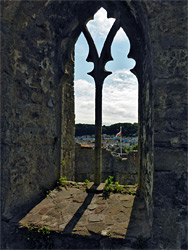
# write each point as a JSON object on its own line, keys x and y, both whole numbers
{"x": 37, "y": 112}
{"x": 168, "y": 32}
{"x": 37, "y": 40}
{"x": 30, "y": 110}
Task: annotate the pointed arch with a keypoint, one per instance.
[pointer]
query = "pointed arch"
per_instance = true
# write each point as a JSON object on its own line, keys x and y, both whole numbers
{"x": 134, "y": 23}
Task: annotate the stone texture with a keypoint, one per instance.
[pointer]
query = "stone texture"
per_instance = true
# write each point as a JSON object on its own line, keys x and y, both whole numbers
{"x": 37, "y": 99}
{"x": 111, "y": 220}
{"x": 123, "y": 170}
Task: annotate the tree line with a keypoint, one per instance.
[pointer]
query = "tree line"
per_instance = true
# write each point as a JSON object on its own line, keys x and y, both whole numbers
{"x": 128, "y": 129}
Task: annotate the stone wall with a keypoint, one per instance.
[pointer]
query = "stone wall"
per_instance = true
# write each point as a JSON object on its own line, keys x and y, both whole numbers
{"x": 169, "y": 39}
{"x": 37, "y": 103}
{"x": 123, "y": 169}
{"x": 30, "y": 131}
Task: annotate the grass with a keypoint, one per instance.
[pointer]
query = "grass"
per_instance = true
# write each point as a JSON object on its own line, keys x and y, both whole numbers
{"x": 110, "y": 186}
{"x": 62, "y": 181}
{"x": 115, "y": 187}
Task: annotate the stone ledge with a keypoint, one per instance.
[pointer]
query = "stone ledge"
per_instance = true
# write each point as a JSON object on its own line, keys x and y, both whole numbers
{"x": 75, "y": 211}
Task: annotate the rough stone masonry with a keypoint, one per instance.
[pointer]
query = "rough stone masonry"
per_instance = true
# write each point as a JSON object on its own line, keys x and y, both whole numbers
{"x": 124, "y": 170}
{"x": 37, "y": 105}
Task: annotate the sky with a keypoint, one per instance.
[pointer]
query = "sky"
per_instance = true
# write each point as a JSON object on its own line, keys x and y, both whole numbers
{"x": 120, "y": 89}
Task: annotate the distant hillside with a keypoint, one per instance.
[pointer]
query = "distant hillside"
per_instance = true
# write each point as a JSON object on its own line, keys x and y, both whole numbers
{"x": 128, "y": 129}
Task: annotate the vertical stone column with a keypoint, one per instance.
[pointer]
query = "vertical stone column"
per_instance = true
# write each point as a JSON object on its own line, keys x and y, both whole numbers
{"x": 99, "y": 74}
{"x": 98, "y": 135}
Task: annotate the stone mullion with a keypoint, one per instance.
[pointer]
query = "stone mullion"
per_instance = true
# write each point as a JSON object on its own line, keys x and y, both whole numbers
{"x": 98, "y": 134}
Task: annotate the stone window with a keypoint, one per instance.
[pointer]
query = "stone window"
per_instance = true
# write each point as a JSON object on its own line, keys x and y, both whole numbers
{"x": 100, "y": 35}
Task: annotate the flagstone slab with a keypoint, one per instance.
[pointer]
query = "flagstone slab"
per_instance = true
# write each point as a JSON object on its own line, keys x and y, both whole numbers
{"x": 44, "y": 210}
{"x": 113, "y": 209}
{"x": 54, "y": 213}
{"x": 95, "y": 217}
{"x": 77, "y": 211}
{"x": 99, "y": 209}
{"x": 95, "y": 227}
{"x": 92, "y": 206}
{"x": 73, "y": 207}
{"x": 108, "y": 220}
{"x": 121, "y": 217}
{"x": 79, "y": 198}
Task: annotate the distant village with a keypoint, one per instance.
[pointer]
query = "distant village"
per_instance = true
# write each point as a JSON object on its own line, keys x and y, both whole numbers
{"x": 112, "y": 138}
{"x": 116, "y": 144}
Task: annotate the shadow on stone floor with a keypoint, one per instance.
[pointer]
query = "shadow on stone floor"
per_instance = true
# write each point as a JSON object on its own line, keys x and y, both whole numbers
{"x": 76, "y": 217}
{"x": 95, "y": 223}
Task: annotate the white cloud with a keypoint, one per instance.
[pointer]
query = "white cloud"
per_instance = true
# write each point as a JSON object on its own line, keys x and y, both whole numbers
{"x": 120, "y": 90}
{"x": 84, "y": 88}
{"x": 100, "y": 26}
{"x": 84, "y": 101}
{"x": 120, "y": 99}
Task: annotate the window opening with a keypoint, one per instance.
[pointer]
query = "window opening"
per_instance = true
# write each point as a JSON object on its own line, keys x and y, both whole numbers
{"x": 84, "y": 84}
{"x": 100, "y": 57}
